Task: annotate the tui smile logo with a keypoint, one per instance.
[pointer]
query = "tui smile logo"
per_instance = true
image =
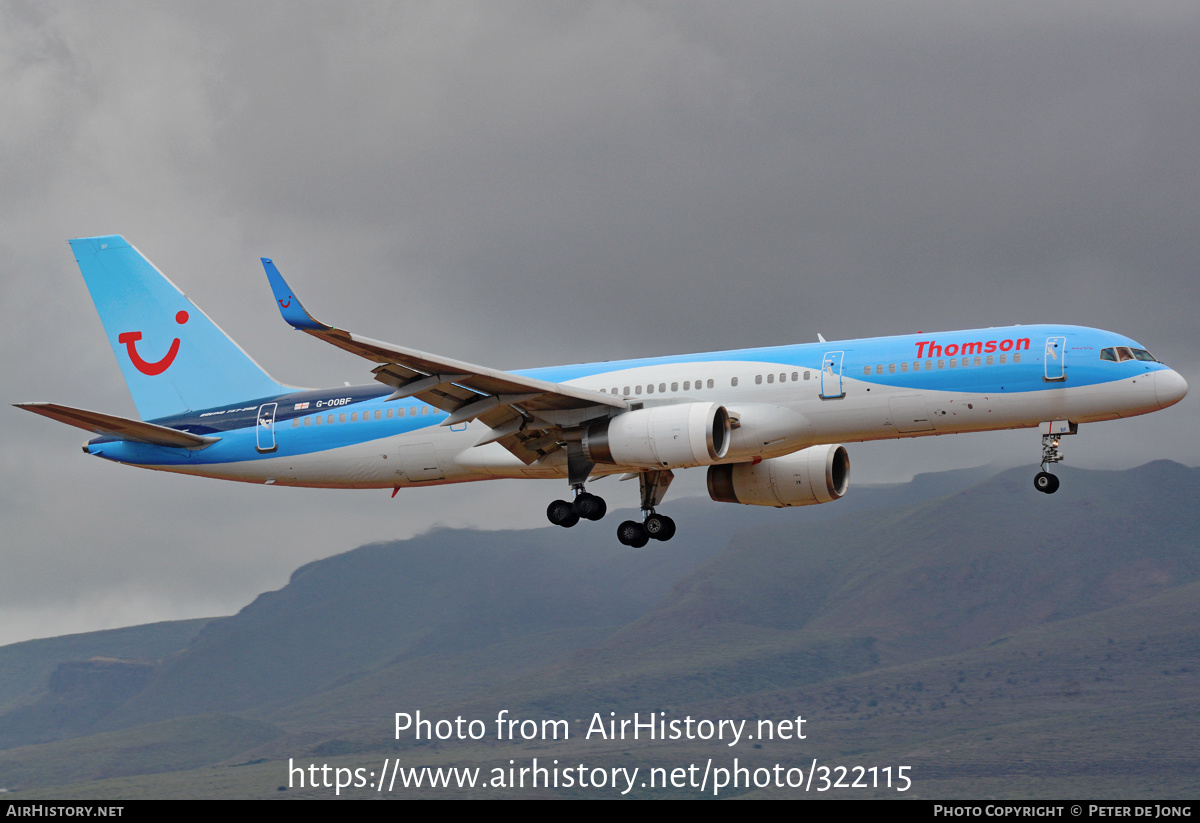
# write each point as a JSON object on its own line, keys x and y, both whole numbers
{"x": 130, "y": 338}
{"x": 283, "y": 305}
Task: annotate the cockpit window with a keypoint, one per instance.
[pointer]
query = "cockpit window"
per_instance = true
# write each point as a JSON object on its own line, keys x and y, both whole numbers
{"x": 1120, "y": 354}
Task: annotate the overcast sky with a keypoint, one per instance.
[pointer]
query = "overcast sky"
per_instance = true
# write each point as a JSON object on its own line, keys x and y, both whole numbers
{"x": 522, "y": 184}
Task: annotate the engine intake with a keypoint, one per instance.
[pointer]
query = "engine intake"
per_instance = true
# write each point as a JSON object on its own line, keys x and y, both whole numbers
{"x": 817, "y": 474}
{"x": 676, "y": 436}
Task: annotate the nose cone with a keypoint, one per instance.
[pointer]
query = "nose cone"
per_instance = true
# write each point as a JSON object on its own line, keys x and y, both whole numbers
{"x": 1169, "y": 387}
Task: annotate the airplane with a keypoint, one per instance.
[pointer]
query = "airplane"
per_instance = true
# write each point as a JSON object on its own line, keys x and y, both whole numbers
{"x": 768, "y": 423}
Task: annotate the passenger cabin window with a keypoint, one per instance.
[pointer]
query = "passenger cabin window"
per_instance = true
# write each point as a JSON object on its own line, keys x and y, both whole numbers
{"x": 757, "y": 379}
{"x": 808, "y": 375}
{"x": 891, "y": 368}
{"x": 795, "y": 376}
{"x": 710, "y": 382}
{"x": 732, "y": 381}
{"x": 866, "y": 369}
{"x": 770, "y": 378}
{"x": 674, "y": 387}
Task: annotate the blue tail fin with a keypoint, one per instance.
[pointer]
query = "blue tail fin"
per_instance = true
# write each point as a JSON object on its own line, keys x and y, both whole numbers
{"x": 173, "y": 356}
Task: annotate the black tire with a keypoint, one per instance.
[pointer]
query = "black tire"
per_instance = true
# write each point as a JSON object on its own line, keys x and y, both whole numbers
{"x": 589, "y": 506}
{"x": 660, "y": 527}
{"x": 561, "y": 513}
{"x": 601, "y": 509}
{"x": 1045, "y": 482}
{"x": 632, "y": 533}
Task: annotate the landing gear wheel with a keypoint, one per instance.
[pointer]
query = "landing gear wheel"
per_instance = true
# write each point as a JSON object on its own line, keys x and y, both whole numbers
{"x": 632, "y": 533}
{"x": 562, "y": 513}
{"x": 660, "y": 527}
{"x": 589, "y": 506}
{"x": 1045, "y": 482}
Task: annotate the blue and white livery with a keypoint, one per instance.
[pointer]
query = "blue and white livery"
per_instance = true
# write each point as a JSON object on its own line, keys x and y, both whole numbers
{"x": 767, "y": 423}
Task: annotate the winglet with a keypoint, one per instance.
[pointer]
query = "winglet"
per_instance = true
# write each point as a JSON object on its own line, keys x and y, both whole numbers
{"x": 289, "y": 306}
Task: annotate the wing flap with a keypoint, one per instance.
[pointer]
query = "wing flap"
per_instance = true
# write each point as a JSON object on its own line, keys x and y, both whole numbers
{"x": 120, "y": 427}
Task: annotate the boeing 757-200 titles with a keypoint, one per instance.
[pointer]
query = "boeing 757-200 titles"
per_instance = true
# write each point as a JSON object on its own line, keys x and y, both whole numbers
{"x": 767, "y": 423}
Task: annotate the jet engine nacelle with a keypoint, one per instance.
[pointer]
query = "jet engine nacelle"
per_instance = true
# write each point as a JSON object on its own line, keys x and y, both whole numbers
{"x": 817, "y": 474}
{"x": 675, "y": 436}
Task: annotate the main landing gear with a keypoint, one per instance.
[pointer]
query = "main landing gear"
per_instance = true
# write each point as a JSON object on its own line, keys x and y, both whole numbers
{"x": 1052, "y": 433}
{"x": 587, "y": 506}
{"x": 654, "y": 526}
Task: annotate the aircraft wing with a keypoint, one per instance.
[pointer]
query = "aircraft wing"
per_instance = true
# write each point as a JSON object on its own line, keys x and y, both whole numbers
{"x": 519, "y": 410}
{"x": 120, "y": 427}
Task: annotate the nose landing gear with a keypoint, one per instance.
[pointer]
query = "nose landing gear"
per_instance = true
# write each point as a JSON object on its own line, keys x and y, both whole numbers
{"x": 1052, "y": 433}
{"x": 1045, "y": 482}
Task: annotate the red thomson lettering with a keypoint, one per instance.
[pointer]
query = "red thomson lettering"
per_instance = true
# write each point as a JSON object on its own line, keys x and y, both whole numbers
{"x": 929, "y": 348}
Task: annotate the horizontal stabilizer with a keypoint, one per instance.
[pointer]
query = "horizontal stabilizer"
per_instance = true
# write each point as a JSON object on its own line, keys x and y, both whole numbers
{"x": 120, "y": 427}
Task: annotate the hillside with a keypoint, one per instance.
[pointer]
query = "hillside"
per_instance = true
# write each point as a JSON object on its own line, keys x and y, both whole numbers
{"x": 979, "y": 635}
